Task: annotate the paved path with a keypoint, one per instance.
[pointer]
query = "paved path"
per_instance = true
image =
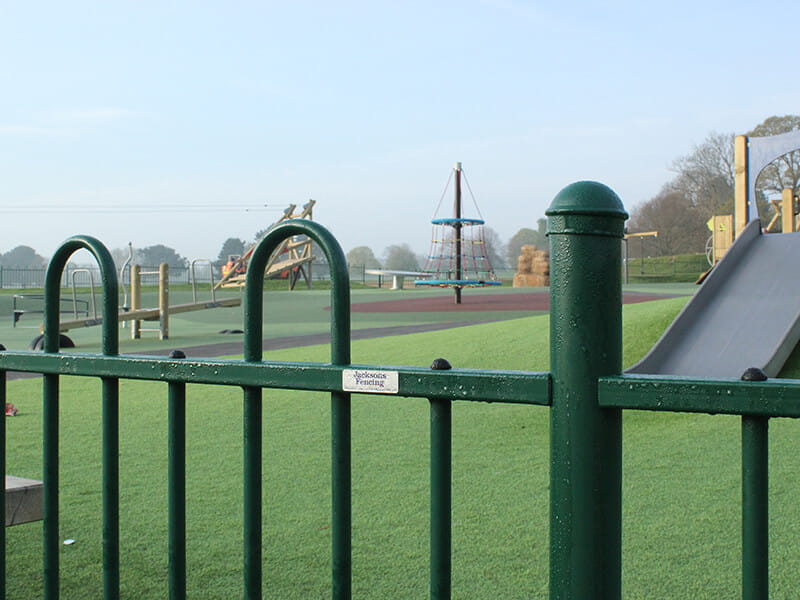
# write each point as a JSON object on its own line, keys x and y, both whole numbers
{"x": 232, "y": 348}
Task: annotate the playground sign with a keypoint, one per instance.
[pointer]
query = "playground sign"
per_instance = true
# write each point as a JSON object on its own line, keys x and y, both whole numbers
{"x": 371, "y": 382}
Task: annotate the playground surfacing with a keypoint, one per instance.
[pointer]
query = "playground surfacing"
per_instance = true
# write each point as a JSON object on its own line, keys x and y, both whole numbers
{"x": 475, "y": 309}
{"x": 538, "y": 301}
{"x": 302, "y": 318}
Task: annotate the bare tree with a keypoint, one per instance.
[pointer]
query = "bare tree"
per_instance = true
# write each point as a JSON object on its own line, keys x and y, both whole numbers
{"x": 494, "y": 248}
{"x": 706, "y": 176}
{"x": 680, "y": 226}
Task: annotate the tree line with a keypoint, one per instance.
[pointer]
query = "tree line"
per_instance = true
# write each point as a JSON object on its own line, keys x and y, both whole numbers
{"x": 400, "y": 257}
{"x": 703, "y": 186}
{"x": 25, "y": 257}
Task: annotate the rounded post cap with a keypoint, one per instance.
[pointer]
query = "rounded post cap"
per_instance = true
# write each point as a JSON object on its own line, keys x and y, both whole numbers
{"x": 754, "y": 374}
{"x": 587, "y": 198}
{"x": 441, "y": 364}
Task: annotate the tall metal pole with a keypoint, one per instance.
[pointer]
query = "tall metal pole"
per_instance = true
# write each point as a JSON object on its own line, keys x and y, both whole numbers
{"x": 457, "y": 231}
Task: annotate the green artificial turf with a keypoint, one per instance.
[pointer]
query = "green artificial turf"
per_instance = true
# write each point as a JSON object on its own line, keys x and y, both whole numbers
{"x": 681, "y": 484}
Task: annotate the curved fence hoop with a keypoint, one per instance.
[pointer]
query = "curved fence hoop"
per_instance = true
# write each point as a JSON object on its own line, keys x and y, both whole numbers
{"x": 340, "y": 287}
{"x": 108, "y": 276}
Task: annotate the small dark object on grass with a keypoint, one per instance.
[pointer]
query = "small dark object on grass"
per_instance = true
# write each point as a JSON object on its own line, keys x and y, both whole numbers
{"x": 231, "y": 331}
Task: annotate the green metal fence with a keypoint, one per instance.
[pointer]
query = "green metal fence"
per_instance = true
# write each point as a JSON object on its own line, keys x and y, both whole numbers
{"x": 585, "y": 390}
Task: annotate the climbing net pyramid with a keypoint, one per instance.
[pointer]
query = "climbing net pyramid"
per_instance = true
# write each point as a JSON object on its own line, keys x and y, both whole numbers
{"x": 458, "y": 257}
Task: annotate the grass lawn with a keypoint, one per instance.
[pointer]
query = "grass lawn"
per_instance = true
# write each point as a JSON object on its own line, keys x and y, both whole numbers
{"x": 681, "y": 484}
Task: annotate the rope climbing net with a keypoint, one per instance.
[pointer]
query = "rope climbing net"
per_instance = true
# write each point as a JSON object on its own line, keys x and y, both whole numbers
{"x": 459, "y": 254}
{"x": 454, "y": 239}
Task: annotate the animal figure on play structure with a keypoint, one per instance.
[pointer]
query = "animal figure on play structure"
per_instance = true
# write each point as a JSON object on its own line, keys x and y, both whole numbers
{"x": 458, "y": 256}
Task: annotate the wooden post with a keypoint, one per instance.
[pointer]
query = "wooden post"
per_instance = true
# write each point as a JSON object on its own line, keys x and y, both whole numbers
{"x": 136, "y": 300}
{"x": 722, "y": 235}
{"x": 787, "y": 211}
{"x": 163, "y": 301}
{"x": 741, "y": 200}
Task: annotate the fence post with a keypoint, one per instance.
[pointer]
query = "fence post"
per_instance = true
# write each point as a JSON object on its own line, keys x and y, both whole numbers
{"x": 585, "y": 224}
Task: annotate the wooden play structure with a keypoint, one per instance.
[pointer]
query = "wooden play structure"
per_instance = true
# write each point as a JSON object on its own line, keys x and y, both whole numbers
{"x": 785, "y": 213}
{"x": 137, "y": 314}
{"x": 751, "y": 156}
{"x": 291, "y": 260}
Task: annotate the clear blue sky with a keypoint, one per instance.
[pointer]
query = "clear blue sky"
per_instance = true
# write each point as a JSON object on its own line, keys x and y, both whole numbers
{"x": 364, "y": 106}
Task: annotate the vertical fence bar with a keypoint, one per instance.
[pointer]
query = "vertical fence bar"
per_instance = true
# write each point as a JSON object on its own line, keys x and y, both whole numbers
{"x": 341, "y": 460}
{"x": 441, "y": 499}
{"x": 341, "y": 500}
{"x": 252, "y": 427}
{"x": 50, "y": 432}
{"x": 110, "y": 488}
{"x": 176, "y": 483}
{"x": 110, "y": 347}
{"x": 252, "y": 493}
{"x": 50, "y": 541}
{"x": 755, "y": 508}
{"x": 341, "y": 479}
{"x": 3, "y": 400}
{"x": 585, "y": 224}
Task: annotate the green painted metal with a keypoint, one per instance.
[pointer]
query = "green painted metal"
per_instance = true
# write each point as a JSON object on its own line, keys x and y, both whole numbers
{"x": 341, "y": 524}
{"x": 3, "y": 492}
{"x": 513, "y": 387}
{"x": 110, "y": 452}
{"x": 176, "y": 482}
{"x": 585, "y": 390}
{"x": 774, "y": 398}
{"x": 50, "y": 538}
{"x": 755, "y": 508}
{"x": 585, "y": 225}
{"x": 441, "y": 498}
{"x": 110, "y": 390}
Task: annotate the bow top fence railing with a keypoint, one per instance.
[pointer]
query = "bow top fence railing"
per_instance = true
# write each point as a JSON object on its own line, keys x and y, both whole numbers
{"x": 585, "y": 390}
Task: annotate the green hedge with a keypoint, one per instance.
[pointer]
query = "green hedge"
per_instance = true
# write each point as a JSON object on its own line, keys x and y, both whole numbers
{"x": 667, "y": 269}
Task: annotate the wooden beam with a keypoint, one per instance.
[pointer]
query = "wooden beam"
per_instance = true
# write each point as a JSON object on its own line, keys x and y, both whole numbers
{"x": 787, "y": 211}
{"x": 740, "y": 189}
{"x": 150, "y": 314}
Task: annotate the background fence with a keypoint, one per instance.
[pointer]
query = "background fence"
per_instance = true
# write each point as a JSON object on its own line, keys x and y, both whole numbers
{"x": 33, "y": 278}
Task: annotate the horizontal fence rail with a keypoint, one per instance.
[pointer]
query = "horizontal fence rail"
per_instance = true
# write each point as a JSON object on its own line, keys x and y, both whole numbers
{"x": 584, "y": 390}
{"x": 515, "y": 387}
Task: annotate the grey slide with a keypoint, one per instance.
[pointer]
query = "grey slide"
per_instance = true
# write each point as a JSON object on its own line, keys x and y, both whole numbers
{"x": 746, "y": 313}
